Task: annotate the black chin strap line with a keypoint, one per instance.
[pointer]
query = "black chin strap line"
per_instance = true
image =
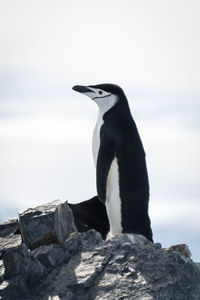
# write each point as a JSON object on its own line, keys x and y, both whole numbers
{"x": 102, "y": 97}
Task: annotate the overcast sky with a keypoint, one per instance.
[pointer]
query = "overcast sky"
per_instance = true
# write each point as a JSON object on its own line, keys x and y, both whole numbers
{"x": 151, "y": 49}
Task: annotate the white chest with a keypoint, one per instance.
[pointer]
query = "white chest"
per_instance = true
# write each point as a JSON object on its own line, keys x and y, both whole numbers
{"x": 96, "y": 138}
{"x": 113, "y": 201}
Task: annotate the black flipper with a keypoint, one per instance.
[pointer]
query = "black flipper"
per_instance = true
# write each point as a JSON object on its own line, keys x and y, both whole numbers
{"x": 90, "y": 214}
{"x": 105, "y": 157}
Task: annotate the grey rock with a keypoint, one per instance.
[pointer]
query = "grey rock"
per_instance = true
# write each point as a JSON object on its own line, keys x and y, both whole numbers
{"x": 84, "y": 267}
{"x": 198, "y": 266}
{"x": 2, "y": 270}
{"x": 9, "y": 238}
{"x": 9, "y": 235}
{"x": 23, "y": 272}
{"x": 46, "y": 224}
{"x": 123, "y": 268}
{"x": 54, "y": 255}
{"x": 9, "y": 227}
{"x": 14, "y": 289}
{"x": 20, "y": 261}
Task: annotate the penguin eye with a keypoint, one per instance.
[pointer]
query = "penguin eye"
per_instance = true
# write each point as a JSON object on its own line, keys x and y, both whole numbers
{"x": 100, "y": 92}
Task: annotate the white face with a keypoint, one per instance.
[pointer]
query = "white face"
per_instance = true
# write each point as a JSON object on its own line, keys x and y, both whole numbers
{"x": 104, "y": 100}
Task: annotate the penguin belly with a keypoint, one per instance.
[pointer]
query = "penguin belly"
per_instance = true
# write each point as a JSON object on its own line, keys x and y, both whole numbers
{"x": 113, "y": 201}
{"x": 96, "y": 138}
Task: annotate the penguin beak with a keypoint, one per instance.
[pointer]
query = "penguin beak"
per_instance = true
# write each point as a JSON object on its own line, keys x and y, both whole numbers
{"x": 82, "y": 89}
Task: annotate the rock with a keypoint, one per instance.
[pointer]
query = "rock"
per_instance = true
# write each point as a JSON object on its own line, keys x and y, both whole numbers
{"x": 9, "y": 238}
{"x": 2, "y": 270}
{"x": 23, "y": 272}
{"x": 123, "y": 268}
{"x": 198, "y": 266}
{"x": 46, "y": 224}
{"x": 182, "y": 248}
{"x": 9, "y": 227}
{"x": 19, "y": 261}
{"x": 15, "y": 289}
{"x": 84, "y": 266}
{"x": 9, "y": 235}
{"x": 54, "y": 255}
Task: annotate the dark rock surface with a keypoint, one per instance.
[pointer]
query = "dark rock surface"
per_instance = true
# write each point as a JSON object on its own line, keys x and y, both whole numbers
{"x": 46, "y": 224}
{"x": 9, "y": 234}
{"x": 84, "y": 267}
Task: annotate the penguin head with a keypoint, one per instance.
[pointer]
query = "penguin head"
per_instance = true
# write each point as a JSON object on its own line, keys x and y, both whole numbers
{"x": 105, "y": 95}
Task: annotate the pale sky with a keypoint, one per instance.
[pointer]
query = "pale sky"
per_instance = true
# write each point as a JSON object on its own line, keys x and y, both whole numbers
{"x": 151, "y": 49}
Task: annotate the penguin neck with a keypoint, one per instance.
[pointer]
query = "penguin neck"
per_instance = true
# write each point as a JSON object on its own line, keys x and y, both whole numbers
{"x": 118, "y": 111}
{"x": 105, "y": 105}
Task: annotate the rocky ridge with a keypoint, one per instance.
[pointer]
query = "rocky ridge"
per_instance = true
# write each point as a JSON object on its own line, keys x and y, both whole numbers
{"x": 43, "y": 256}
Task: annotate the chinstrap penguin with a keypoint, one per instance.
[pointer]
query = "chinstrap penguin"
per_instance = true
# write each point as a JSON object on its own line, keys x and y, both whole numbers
{"x": 119, "y": 157}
